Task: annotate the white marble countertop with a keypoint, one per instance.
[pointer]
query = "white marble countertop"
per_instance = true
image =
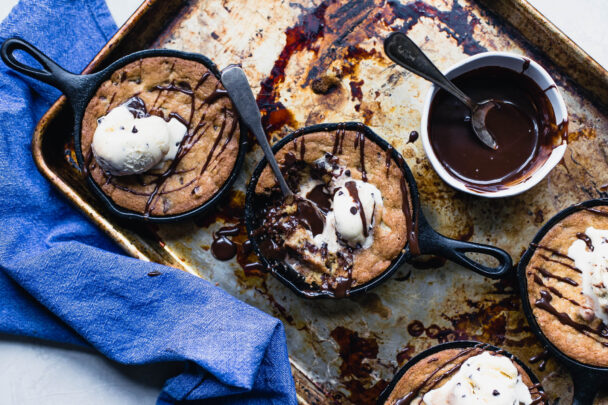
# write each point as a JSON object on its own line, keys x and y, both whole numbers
{"x": 33, "y": 373}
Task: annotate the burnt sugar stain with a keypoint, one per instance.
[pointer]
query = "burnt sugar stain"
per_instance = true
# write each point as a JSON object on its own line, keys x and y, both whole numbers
{"x": 355, "y": 90}
{"x": 301, "y": 36}
{"x": 356, "y": 373}
{"x": 333, "y": 30}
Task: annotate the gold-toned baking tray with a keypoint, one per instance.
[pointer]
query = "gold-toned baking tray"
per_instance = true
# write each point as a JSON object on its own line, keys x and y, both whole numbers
{"x": 346, "y": 351}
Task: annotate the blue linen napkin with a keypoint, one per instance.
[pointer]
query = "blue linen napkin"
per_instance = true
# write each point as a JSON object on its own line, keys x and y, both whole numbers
{"x": 61, "y": 279}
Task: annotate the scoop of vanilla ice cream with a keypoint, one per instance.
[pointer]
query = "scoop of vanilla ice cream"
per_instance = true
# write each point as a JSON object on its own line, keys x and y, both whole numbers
{"x": 482, "y": 379}
{"x": 347, "y": 203}
{"x": 594, "y": 266}
{"x": 125, "y": 145}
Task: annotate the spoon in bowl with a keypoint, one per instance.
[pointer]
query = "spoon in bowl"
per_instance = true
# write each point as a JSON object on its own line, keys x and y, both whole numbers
{"x": 404, "y": 52}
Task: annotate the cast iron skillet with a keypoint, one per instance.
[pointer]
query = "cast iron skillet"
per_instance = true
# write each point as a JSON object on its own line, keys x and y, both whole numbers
{"x": 451, "y": 345}
{"x": 586, "y": 378}
{"x": 430, "y": 242}
{"x": 79, "y": 89}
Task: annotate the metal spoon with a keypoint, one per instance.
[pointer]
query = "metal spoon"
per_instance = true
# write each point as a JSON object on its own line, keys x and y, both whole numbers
{"x": 407, "y": 54}
{"x": 235, "y": 82}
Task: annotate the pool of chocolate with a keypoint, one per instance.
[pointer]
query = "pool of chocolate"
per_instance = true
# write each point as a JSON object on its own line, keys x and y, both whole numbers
{"x": 522, "y": 123}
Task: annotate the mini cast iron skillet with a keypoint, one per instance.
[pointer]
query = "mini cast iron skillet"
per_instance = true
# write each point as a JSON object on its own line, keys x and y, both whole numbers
{"x": 429, "y": 241}
{"x": 79, "y": 89}
{"x": 464, "y": 344}
{"x": 587, "y": 379}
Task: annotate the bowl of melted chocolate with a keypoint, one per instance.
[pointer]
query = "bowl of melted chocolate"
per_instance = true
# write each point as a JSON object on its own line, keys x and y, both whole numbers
{"x": 529, "y": 124}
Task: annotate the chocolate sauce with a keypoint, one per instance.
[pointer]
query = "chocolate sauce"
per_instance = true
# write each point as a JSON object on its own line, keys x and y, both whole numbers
{"x": 223, "y": 248}
{"x": 321, "y": 197}
{"x": 548, "y": 274}
{"x": 411, "y": 221}
{"x": 522, "y": 123}
{"x": 544, "y": 303}
{"x": 554, "y": 290}
{"x": 308, "y": 215}
{"x": 540, "y": 358}
{"x": 360, "y": 142}
{"x": 571, "y": 267}
{"x": 338, "y": 140}
{"x": 413, "y": 137}
{"x": 553, "y": 251}
{"x": 137, "y": 107}
{"x": 585, "y": 238}
{"x": 388, "y": 159}
{"x": 351, "y": 186}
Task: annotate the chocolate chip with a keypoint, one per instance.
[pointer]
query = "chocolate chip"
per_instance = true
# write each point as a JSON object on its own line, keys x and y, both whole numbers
{"x": 353, "y": 210}
{"x": 134, "y": 130}
{"x": 495, "y": 393}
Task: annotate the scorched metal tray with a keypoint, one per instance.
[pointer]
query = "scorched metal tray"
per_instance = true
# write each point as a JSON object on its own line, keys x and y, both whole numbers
{"x": 346, "y": 351}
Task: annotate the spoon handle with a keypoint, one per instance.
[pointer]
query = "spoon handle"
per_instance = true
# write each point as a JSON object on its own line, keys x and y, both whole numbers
{"x": 404, "y": 52}
{"x": 235, "y": 81}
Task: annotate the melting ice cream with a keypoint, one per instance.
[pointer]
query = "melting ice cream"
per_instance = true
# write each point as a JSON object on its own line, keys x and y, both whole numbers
{"x": 482, "y": 379}
{"x": 127, "y": 142}
{"x": 355, "y": 208}
{"x": 590, "y": 255}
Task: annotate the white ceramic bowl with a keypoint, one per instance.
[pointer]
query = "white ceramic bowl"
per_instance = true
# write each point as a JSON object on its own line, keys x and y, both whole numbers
{"x": 513, "y": 62}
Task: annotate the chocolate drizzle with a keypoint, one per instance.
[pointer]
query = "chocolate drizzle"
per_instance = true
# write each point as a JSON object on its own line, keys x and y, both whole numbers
{"x": 571, "y": 267}
{"x": 547, "y": 293}
{"x": 411, "y": 221}
{"x": 195, "y": 132}
{"x": 360, "y": 142}
{"x": 351, "y": 186}
{"x": 388, "y": 159}
{"x": 548, "y": 274}
{"x": 338, "y": 141}
{"x": 554, "y": 290}
{"x": 585, "y": 238}
{"x": 548, "y": 249}
{"x": 540, "y": 358}
{"x": 544, "y": 303}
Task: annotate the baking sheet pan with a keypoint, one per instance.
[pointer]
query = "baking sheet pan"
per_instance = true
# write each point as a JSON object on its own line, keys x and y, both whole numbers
{"x": 346, "y": 351}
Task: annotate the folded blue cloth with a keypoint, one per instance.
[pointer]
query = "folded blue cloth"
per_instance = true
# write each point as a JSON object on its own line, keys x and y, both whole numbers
{"x": 62, "y": 280}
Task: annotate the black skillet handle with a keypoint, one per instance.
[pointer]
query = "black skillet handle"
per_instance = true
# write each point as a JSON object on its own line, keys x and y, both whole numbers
{"x": 586, "y": 386}
{"x": 70, "y": 84}
{"x": 431, "y": 242}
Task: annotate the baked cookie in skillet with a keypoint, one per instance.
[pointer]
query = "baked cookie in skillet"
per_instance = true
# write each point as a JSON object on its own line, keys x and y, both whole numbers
{"x": 362, "y": 213}
{"x": 200, "y": 144}
{"x": 567, "y": 279}
{"x": 467, "y": 376}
